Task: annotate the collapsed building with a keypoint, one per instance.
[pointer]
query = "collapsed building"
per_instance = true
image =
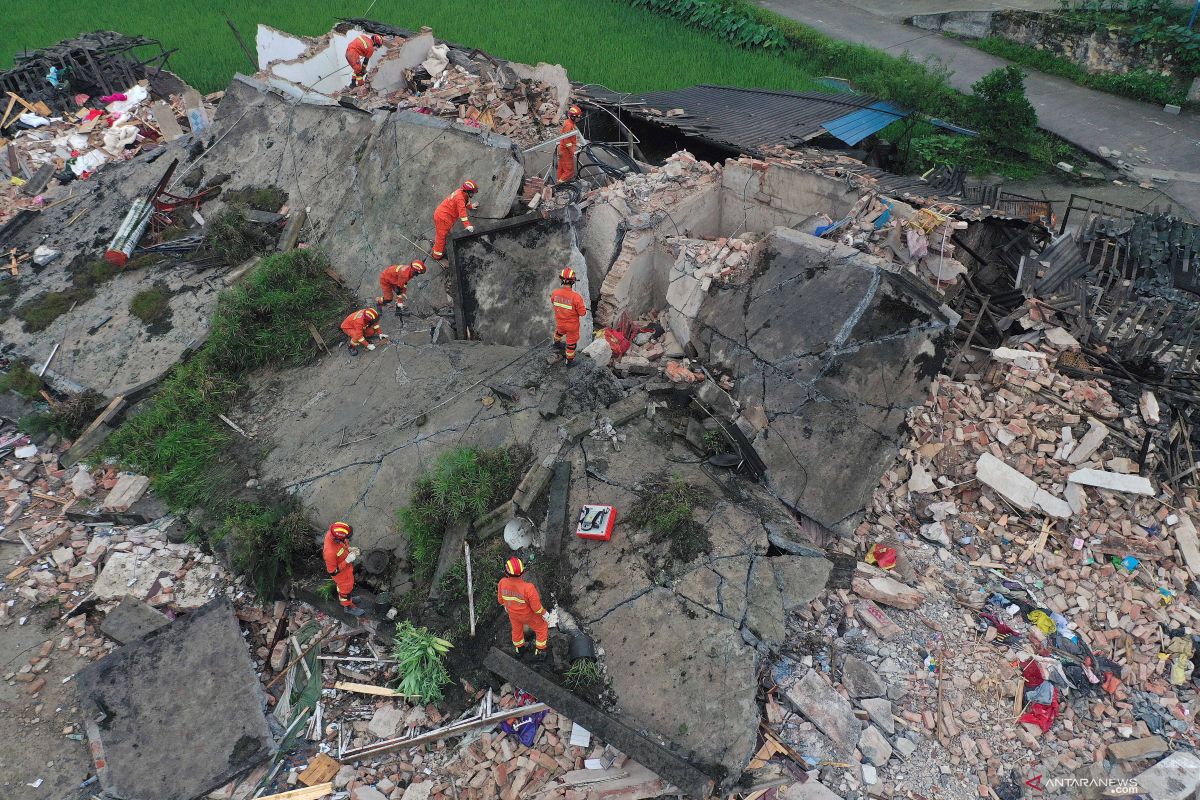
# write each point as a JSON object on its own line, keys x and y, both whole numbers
{"x": 787, "y": 314}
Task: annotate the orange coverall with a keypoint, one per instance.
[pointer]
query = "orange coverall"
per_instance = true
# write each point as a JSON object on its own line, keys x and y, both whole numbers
{"x": 568, "y": 309}
{"x": 524, "y": 606}
{"x": 452, "y": 209}
{"x": 359, "y": 328}
{"x": 358, "y": 53}
{"x": 566, "y": 153}
{"x": 339, "y": 569}
{"x": 395, "y": 279}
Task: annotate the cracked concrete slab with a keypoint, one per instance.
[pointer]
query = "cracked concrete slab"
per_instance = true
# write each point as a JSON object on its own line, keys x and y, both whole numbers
{"x": 700, "y": 615}
{"x": 177, "y": 713}
{"x": 835, "y": 348}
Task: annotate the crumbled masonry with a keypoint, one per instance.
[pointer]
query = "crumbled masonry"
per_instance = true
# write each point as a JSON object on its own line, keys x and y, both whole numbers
{"x": 924, "y": 472}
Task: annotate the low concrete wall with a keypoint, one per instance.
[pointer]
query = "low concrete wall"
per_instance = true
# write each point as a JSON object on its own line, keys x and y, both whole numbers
{"x": 971, "y": 24}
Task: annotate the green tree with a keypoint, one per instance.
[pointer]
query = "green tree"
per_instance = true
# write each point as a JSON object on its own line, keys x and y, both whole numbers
{"x": 1003, "y": 116}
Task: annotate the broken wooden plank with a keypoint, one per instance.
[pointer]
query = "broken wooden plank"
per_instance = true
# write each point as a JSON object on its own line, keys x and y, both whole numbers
{"x": 877, "y": 619}
{"x": 44, "y": 550}
{"x": 367, "y": 688}
{"x": 1188, "y": 543}
{"x": 882, "y": 588}
{"x": 320, "y": 769}
{"x": 311, "y": 793}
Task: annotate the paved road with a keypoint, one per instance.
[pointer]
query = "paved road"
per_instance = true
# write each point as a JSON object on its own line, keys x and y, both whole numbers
{"x": 903, "y": 9}
{"x": 1158, "y": 143}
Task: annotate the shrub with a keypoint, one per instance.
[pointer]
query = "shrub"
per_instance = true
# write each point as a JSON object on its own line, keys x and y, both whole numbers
{"x": 464, "y": 484}
{"x": 667, "y": 510}
{"x": 232, "y": 239}
{"x": 1004, "y": 117}
{"x": 264, "y": 543}
{"x": 418, "y": 655}
{"x": 730, "y": 23}
{"x": 582, "y": 674}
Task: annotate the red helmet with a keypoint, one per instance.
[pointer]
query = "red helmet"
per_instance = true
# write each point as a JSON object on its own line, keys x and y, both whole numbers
{"x": 470, "y": 187}
{"x": 371, "y": 314}
{"x": 514, "y": 566}
{"x": 574, "y": 112}
{"x": 418, "y": 266}
{"x": 568, "y": 275}
{"x": 377, "y": 40}
{"x": 341, "y": 531}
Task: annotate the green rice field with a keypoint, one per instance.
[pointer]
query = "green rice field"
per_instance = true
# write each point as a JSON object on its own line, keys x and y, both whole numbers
{"x": 606, "y": 42}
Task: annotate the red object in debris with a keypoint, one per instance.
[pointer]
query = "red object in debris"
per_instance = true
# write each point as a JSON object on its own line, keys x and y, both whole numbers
{"x": 113, "y": 98}
{"x": 882, "y": 557}
{"x": 596, "y": 522}
{"x": 95, "y": 112}
{"x": 1041, "y": 714}
{"x": 617, "y": 341}
{"x": 80, "y": 99}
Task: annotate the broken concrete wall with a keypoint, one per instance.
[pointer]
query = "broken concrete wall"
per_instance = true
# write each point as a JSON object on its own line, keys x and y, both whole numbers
{"x": 638, "y": 277}
{"x": 408, "y": 164}
{"x": 760, "y": 199}
{"x": 304, "y": 67}
{"x": 506, "y": 278}
{"x": 829, "y": 349}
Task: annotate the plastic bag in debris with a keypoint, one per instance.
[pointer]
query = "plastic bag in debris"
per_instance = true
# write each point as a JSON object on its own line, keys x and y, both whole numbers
{"x": 525, "y": 728}
{"x": 1041, "y": 620}
{"x": 33, "y": 120}
{"x": 116, "y": 139}
{"x": 439, "y": 59}
{"x": 88, "y": 162}
{"x": 43, "y": 255}
{"x": 133, "y": 98}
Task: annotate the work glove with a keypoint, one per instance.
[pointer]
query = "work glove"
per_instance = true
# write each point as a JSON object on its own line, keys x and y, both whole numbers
{"x": 470, "y": 228}
{"x": 384, "y": 337}
{"x": 473, "y": 205}
{"x": 352, "y": 556}
{"x": 370, "y": 347}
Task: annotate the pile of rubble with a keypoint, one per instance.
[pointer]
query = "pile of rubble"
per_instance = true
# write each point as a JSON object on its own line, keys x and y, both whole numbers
{"x": 1044, "y": 593}
{"x": 655, "y": 191}
{"x": 45, "y": 151}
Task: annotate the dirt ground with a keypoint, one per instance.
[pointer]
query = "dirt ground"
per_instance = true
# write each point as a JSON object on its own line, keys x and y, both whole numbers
{"x": 35, "y": 743}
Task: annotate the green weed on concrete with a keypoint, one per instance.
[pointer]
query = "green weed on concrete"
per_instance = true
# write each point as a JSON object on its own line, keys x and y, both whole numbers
{"x": 21, "y": 379}
{"x": 667, "y": 509}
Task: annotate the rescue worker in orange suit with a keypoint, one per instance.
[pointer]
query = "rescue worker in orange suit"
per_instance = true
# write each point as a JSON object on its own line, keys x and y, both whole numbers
{"x": 451, "y": 210}
{"x": 568, "y": 310}
{"x": 360, "y": 327}
{"x": 568, "y": 146}
{"x": 358, "y": 53}
{"x": 394, "y": 280}
{"x": 339, "y": 560}
{"x": 524, "y": 606}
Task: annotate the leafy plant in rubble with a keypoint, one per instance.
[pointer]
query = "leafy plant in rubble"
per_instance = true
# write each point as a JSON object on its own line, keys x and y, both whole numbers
{"x": 22, "y": 380}
{"x": 667, "y": 508}
{"x": 583, "y": 674}
{"x": 264, "y": 542}
{"x": 419, "y": 654}
{"x": 327, "y": 590}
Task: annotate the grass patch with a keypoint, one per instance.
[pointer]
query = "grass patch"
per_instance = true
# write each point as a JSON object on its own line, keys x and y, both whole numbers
{"x": 21, "y": 379}
{"x": 40, "y": 312}
{"x": 232, "y": 239}
{"x": 91, "y": 274}
{"x": 1139, "y": 84}
{"x": 667, "y": 510}
{"x": 583, "y": 674}
{"x": 67, "y": 419}
{"x": 462, "y": 485}
{"x": 151, "y": 305}
{"x": 419, "y": 655}
{"x": 266, "y": 198}
{"x": 181, "y": 444}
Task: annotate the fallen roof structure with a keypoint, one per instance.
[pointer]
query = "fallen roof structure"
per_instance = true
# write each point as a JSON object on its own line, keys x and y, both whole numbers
{"x": 178, "y": 713}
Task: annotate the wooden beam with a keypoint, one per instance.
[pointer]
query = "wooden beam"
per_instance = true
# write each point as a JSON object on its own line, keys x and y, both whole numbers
{"x": 311, "y": 793}
{"x": 367, "y": 688}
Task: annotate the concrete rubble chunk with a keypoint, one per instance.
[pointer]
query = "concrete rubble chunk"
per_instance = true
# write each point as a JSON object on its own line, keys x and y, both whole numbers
{"x": 1115, "y": 481}
{"x": 905, "y": 746}
{"x": 418, "y": 791}
{"x": 1176, "y": 777}
{"x": 874, "y": 746}
{"x": 386, "y": 721}
{"x": 860, "y": 679}
{"x": 935, "y": 532}
{"x": 1090, "y": 443}
{"x": 368, "y": 793}
{"x": 920, "y": 482}
{"x": 127, "y": 491}
{"x": 126, "y": 574}
{"x": 886, "y": 590}
{"x": 1188, "y": 542}
{"x": 1137, "y": 749}
{"x": 880, "y": 711}
{"x": 825, "y": 708}
{"x": 1020, "y": 490}
{"x": 809, "y": 790}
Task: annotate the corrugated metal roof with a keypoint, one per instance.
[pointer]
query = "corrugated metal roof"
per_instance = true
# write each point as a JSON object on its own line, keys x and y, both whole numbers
{"x": 858, "y": 125}
{"x": 744, "y": 119}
